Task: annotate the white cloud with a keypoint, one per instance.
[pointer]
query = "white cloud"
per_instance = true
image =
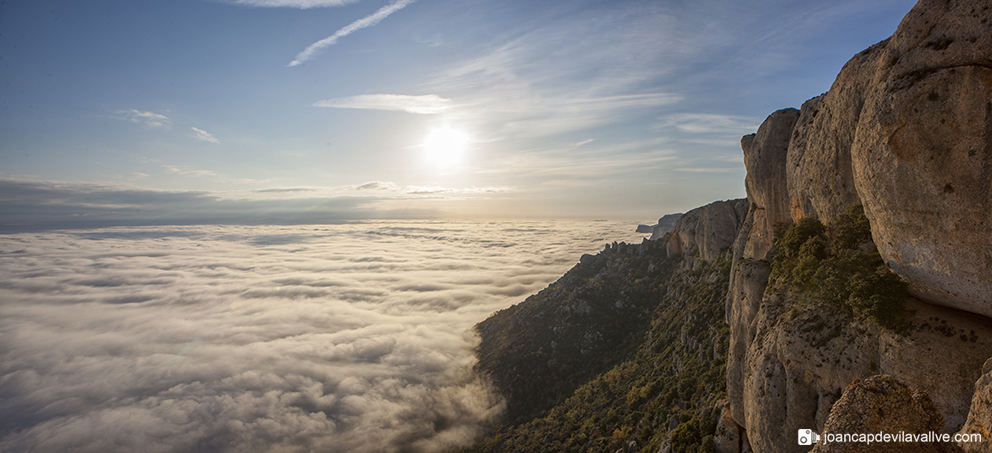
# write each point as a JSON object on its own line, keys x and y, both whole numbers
{"x": 150, "y": 119}
{"x": 359, "y": 24}
{"x": 391, "y": 187}
{"x": 708, "y": 123}
{"x": 304, "y": 4}
{"x": 205, "y": 136}
{"x": 336, "y": 338}
{"x": 424, "y": 104}
{"x": 187, "y": 172}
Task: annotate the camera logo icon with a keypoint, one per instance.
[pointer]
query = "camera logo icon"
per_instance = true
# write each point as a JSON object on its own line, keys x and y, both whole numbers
{"x": 808, "y": 437}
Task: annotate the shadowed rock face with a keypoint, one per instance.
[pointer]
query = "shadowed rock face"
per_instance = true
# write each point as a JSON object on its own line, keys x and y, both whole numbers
{"x": 764, "y": 158}
{"x": 708, "y": 231}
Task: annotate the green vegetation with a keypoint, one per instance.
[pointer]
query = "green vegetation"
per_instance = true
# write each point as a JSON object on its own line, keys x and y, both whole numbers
{"x": 844, "y": 268}
{"x": 660, "y": 380}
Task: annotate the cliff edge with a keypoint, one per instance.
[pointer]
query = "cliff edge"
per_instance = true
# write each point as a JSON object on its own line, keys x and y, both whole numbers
{"x": 906, "y": 132}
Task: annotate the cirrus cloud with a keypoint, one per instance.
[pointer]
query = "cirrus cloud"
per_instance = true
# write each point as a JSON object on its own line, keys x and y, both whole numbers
{"x": 302, "y": 4}
{"x": 150, "y": 119}
{"x": 204, "y": 136}
{"x": 359, "y": 24}
{"x": 427, "y": 104}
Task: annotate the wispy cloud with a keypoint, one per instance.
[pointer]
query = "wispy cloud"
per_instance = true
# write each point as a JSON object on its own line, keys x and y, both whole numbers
{"x": 150, "y": 119}
{"x": 359, "y": 24}
{"x": 427, "y": 104}
{"x": 187, "y": 172}
{"x": 698, "y": 123}
{"x": 391, "y": 187}
{"x": 284, "y": 190}
{"x": 205, "y": 136}
{"x": 303, "y": 4}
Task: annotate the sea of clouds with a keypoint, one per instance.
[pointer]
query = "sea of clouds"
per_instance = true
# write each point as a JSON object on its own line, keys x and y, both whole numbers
{"x": 337, "y": 338}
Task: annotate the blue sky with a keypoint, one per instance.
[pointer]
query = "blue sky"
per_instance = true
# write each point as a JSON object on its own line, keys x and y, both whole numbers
{"x": 192, "y": 111}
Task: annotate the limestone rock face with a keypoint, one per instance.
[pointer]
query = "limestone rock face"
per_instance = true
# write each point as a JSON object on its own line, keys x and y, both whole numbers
{"x": 882, "y": 403}
{"x": 765, "y": 157}
{"x": 819, "y": 172}
{"x": 665, "y": 225}
{"x": 906, "y": 129}
{"x": 922, "y": 155}
{"x": 727, "y": 438}
{"x": 709, "y": 230}
{"x": 800, "y": 360}
{"x": 980, "y": 416}
{"x": 747, "y": 286}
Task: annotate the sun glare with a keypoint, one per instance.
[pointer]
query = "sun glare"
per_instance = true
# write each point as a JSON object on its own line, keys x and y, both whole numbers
{"x": 444, "y": 146}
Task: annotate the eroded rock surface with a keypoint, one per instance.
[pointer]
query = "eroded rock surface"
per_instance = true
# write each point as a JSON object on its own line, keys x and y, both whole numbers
{"x": 883, "y": 404}
{"x": 922, "y": 156}
{"x": 906, "y": 129}
{"x": 980, "y": 416}
{"x": 764, "y": 158}
{"x": 709, "y": 230}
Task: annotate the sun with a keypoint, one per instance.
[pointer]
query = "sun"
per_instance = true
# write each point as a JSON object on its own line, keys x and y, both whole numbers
{"x": 445, "y": 146}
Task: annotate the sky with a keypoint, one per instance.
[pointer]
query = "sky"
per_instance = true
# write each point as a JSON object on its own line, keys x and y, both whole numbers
{"x": 309, "y": 111}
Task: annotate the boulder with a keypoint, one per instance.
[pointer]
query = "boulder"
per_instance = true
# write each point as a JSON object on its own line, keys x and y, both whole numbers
{"x": 922, "y": 154}
{"x": 883, "y": 404}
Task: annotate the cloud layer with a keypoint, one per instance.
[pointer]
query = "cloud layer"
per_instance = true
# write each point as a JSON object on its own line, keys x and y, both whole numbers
{"x": 33, "y": 205}
{"x": 346, "y": 338}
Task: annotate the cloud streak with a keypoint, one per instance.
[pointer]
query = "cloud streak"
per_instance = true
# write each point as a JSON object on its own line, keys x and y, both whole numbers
{"x": 359, "y": 24}
{"x": 187, "y": 172}
{"x": 150, "y": 119}
{"x": 427, "y": 104}
{"x": 302, "y": 4}
{"x": 204, "y": 136}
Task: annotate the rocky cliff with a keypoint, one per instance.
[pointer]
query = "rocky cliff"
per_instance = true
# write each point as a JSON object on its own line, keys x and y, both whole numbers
{"x": 626, "y": 351}
{"x": 906, "y": 131}
{"x": 850, "y": 291}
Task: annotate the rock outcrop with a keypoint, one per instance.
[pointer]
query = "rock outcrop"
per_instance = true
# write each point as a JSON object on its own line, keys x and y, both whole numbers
{"x": 980, "y": 416}
{"x": 625, "y": 352}
{"x": 665, "y": 225}
{"x": 708, "y": 231}
{"x": 882, "y": 404}
{"x": 727, "y": 437}
{"x": 906, "y": 130}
